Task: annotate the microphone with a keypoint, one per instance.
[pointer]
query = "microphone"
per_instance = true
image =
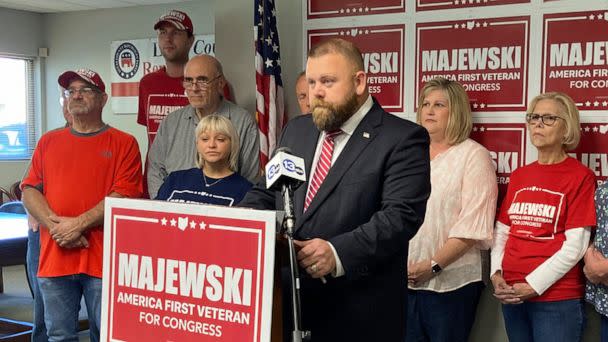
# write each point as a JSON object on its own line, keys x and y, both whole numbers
{"x": 284, "y": 169}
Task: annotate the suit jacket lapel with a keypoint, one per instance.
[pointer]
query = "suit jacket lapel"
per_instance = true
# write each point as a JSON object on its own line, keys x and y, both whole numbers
{"x": 364, "y": 133}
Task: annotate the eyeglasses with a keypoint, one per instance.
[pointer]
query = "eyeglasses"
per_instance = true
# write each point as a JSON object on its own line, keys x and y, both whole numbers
{"x": 83, "y": 91}
{"x": 547, "y": 119}
{"x": 202, "y": 83}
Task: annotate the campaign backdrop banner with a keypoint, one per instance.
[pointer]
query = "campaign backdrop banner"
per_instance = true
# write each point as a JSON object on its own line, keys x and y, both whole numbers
{"x": 426, "y": 5}
{"x": 186, "y": 272}
{"x": 383, "y": 49}
{"x": 340, "y": 8}
{"x": 132, "y": 59}
{"x": 488, "y": 56}
{"x": 592, "y": 150}
{"x": 507, "y": 145}
{"x": 575, "y": 57}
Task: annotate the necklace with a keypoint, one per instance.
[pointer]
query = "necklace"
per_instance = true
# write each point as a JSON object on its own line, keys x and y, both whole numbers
{"x": 212, "y": 184}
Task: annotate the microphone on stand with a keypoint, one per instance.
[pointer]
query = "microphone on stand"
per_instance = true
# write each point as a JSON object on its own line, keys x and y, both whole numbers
{"x": 285, "y": 172}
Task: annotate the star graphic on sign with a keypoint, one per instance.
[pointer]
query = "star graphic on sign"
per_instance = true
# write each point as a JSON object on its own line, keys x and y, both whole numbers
{"x": 587, "y": 128}
{"x": 192, "y": 224}
{"x": 588, "y": 103}
{"x": 456, "y": 2}
{"x": 474, "y": 128}
{"x": 463, "y": 25}
{"x": 477, "y": 24}
{"x": 360, "y": 31}
{"x": 366, "y": 31}
{"x": 341, "y": 33}
{"x": 348, "y": 10}
{"x": 475, "y": 105}
{"x": 173, "y": 222}
{"x": 605, "y": 103}
{"x": 275, "y": 48}
{"x": 268, "y": 40}
{"x": 478, "y": 1}
{"x": 163, "y": 221}
{"x": 456, "y": 27}
{"x": 599, "y": 16}
{"x": 202, "y": 225}
{"x": 366, "y": 9}
{"x": 485, "y": 24}
{"x": 596, "y": 103}
{"x": 483, "y": 105}
{"x": 260, "y": 9}
{"x": 268, "y": 63}
{"x": 482, "y": 129}
{"x": 341, "y": 10}
{"x": 595, "y": 129}
{"x": 591, "y": 17}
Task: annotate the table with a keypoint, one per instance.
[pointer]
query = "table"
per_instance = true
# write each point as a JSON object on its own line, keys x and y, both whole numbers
{"x": 13, "y": 241}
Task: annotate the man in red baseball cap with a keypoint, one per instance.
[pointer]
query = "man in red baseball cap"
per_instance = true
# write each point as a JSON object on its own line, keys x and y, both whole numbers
{"x": 72, "y": 171}
{"x": 161, "y": 91}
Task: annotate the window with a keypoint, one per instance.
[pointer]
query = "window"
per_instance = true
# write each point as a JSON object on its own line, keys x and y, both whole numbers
{"x": 17, "y": 118}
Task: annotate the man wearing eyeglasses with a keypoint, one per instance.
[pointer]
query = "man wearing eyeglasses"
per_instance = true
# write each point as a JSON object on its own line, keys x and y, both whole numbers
{"x": 174, "y": 147}
{"x": 73, "y": 169}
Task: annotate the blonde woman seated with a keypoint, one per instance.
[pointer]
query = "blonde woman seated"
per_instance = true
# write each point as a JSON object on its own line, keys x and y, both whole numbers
{"x": 444, "y": 263}
{"x": 214, "y": 181}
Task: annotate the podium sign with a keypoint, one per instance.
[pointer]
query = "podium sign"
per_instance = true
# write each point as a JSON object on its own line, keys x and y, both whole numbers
{"x": 186, "y": 272}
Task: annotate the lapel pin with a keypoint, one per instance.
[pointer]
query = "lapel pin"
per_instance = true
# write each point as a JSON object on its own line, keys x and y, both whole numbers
{"x": 366, "y": 135}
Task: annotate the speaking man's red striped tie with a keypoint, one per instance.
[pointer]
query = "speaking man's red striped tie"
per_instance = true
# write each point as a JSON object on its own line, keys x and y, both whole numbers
{"x": 323, "y": 166}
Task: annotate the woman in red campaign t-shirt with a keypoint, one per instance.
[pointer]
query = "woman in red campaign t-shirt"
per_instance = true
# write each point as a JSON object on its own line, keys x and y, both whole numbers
{"x": 543, "y": 230}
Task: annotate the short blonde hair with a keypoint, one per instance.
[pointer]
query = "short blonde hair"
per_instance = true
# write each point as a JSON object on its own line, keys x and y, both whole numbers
{"x": 460, "y": 120}
{"x": 219, "y": 124}
{"x": 569, "y": 113}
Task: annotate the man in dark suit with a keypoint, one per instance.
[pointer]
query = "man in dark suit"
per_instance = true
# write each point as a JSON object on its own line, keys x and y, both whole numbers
{"x": 365, "y": 199}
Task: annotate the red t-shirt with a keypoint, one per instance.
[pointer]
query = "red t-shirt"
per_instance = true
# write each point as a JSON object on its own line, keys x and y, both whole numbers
{"x": 159, "y": 95}
{"x": 75, "y": 172}
{"x": 541, "y": 203}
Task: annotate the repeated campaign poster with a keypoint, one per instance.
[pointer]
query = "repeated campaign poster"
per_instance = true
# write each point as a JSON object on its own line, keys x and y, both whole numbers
{"x": 592, "y": 150}
{"x": 383, "y": 51}
{"x": 507, "y": 145}
{"x": 341, "y": 8}
{"x": 427, "y": 5}
{"x": 186, "y": 272}
{"x": 133, "y": 59}
{"x": 575, "y": 57}
{"x": 488, "y": 56}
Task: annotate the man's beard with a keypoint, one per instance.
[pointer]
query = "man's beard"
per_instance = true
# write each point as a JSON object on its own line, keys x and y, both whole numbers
{"x": 329, "y": 117}
{"x": 78, "y": 108}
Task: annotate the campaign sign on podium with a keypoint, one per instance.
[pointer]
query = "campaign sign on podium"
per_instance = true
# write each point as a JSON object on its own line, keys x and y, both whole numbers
{"x": 186, "y": 272}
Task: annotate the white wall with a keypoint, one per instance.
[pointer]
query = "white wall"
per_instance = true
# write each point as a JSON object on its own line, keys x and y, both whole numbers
{"x": 21, "y": 33}
{"x": 82, "y": 39}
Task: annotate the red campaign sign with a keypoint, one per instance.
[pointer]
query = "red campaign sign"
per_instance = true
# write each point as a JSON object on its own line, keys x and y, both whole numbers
{"x": 575, "y": 57}
{"x": 183, "y": 272}
{"x": 507, "y": 145}
{"x": 427, "y": 5}
{"x": 383, "y": 49}
{"x": 592, "y": 150}
{"x": 341, "y": 8}
{"x": 489, "y": 57}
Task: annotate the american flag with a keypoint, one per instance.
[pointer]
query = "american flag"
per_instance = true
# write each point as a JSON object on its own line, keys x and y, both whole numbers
{"x": 270, "y": 106}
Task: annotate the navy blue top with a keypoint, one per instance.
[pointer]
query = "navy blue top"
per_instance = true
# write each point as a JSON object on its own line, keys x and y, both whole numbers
{"x": 188, "y": 186}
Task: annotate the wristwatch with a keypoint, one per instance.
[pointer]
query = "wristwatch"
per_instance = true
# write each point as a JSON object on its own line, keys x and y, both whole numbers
{"x": 435, "y": 268}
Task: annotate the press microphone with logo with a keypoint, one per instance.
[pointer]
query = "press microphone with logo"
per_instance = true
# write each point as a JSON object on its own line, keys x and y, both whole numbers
{"x": 284, "y": 169}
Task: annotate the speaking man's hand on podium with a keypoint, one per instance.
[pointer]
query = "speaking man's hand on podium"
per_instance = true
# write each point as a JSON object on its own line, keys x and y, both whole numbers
{"x": 316, "y": 257}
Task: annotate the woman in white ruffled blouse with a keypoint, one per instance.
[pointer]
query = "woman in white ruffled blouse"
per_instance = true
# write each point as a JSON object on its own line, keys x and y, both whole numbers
{"x": 444, "y": 262}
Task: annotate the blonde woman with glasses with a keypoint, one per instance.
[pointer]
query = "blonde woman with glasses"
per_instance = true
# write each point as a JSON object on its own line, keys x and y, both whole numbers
{"x": 543, "y": 230}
